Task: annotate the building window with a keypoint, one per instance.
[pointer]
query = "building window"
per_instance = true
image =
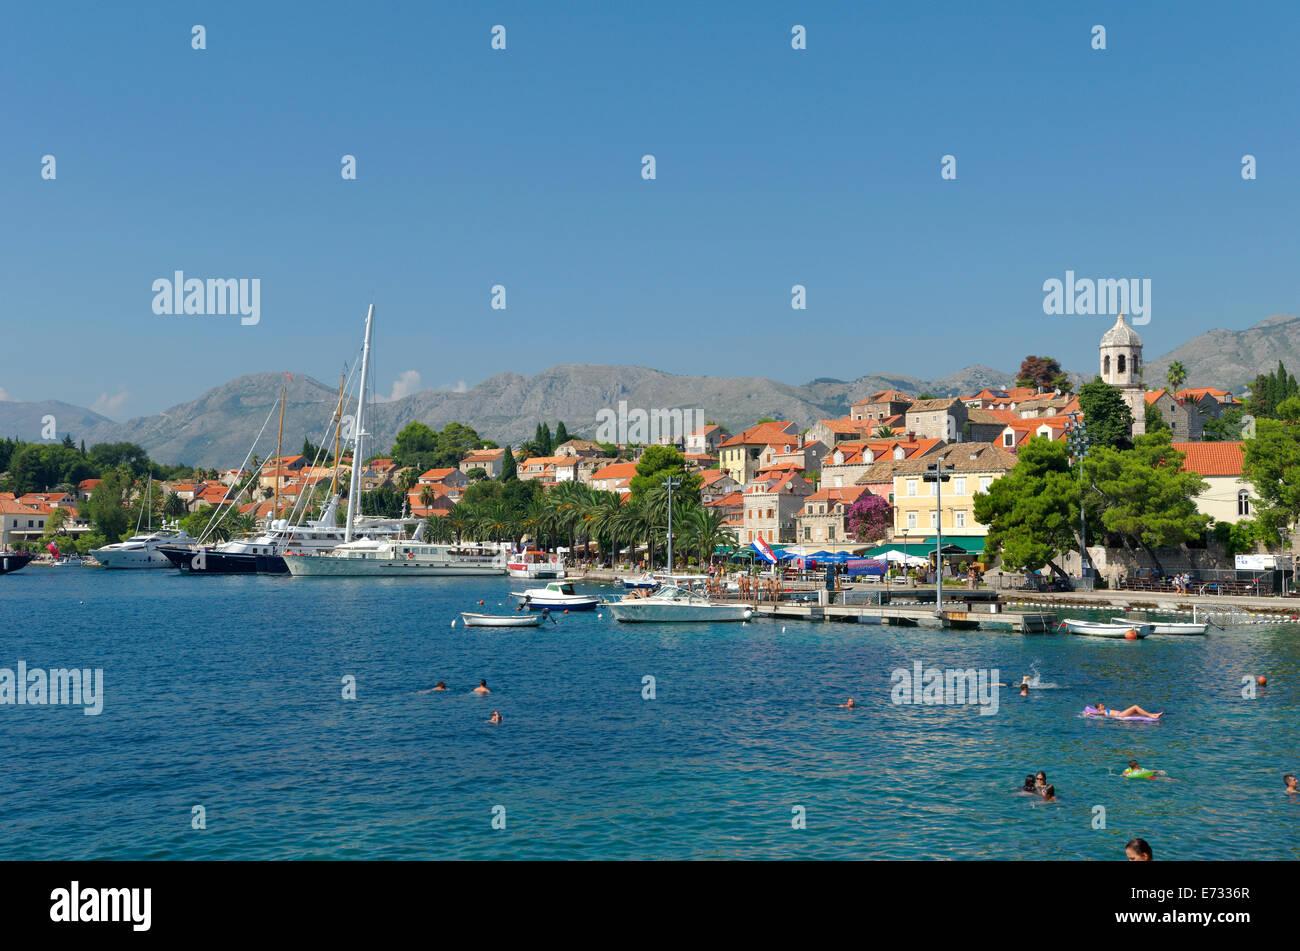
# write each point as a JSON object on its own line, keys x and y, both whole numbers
{"x": 960, "y": 516}
{"x": 911, "y": 520}
{"x": 1119, "y": 364}
{"x": 1105, "y": 365}
{"x": 959, "y": 485}
{"x": 1009, "y": 440}
{"x": 1243, "y": 502}
{"x": 934, "y": 520}
{"x": 830, "y": 532}
{"x": 985, "y": 482}
{"x": 911, "y": 487}
{"x": 807, "y": 533}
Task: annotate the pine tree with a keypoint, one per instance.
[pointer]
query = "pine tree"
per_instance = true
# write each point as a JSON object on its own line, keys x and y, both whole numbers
{"x": 561, "y": 433}
{"x": 547, "y": 445}
{"x": 509, "y": 471}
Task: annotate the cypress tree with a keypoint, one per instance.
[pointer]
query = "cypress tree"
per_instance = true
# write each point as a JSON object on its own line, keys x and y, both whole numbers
{"x": 509, "y": 471}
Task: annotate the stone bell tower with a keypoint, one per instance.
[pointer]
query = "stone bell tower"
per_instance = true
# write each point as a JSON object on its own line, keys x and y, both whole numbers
{"x": 1121, "y": 366}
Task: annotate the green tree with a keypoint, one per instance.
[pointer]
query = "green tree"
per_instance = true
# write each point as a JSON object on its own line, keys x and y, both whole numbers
{"x": 561, "y": 434}
{"x": 659, "y": 463}
{"x": 1110, "y": 423}
{"x": 1272, "y": 466}
{"x": 106, "y": 508}
{"x": 1144, "y": 495}
{"x": 1176, "y": 376}
{"x": 1032, "y": 512}
{"x": 417, "y": 446}
{"x": 383, "y": 502}
{"x": 1225, "y": 428}
{"x": 1289, "y": 409}
{"x": 1270, "y": 389}
{"x": 509, "y": 469}
{"x": 476, "y": 474}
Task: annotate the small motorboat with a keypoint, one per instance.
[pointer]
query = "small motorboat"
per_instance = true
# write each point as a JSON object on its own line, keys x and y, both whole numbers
{"x": 673, "y": 603}
{"x": 646, "y": 581}
{"x": 1127, "y": 630}
{"x": 557, "y": 595}
{"x": 1172, "y": 627}
{"x": 501, "y": 620}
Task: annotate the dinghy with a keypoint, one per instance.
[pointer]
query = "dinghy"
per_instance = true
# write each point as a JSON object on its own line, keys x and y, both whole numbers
{"x": 501, "y": 620}
{"x": 1101, "y": 629}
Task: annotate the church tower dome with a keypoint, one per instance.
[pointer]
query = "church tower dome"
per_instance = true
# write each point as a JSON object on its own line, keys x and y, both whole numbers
{"x": 1121, "y": 366}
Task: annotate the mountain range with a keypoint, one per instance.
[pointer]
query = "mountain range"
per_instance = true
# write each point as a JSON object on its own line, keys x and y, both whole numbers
{"x": 218, "y": 428}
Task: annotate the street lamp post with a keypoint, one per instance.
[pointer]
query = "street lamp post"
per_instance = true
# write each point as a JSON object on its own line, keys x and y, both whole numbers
{"x": 670, "y": 484}
{"x": 1079, "y": 444}
{"x": 938, "y": 474}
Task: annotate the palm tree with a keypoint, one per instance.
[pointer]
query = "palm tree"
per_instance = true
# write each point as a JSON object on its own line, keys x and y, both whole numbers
{"x": 496, "y": 521}
{"x": 1176, "y": 376}
{"x": 601, "y": 517}
{"x": 885, "y": 432}
{"x": 706, "y": 530}
{"x": 440, "y": 529}
{"x": 406, "y": 481}
{"x": 427, "y": 495}
{"x": 461, "y": 520}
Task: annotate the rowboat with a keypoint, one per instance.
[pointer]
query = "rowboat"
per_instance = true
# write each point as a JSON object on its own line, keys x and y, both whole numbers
{"x": 1102, "y": 629}
{"x": 501, "y": 620}
{"x": 1172, "y": 627}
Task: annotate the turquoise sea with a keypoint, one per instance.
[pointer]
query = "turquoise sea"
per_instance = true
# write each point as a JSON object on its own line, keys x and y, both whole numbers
{"x": 226, "y": 693}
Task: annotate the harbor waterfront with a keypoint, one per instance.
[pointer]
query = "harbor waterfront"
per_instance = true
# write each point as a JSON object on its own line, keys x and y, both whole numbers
{"x": 225, "y": 692}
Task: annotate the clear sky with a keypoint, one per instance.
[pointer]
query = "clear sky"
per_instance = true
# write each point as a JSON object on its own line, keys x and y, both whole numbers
{"x": 522, "y": 167}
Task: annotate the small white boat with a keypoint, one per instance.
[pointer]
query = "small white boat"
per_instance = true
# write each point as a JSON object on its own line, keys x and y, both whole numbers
{"x": 646, "y": 581}
{"x": 533, "y": 564}
{"x": 501, "y": 620}
{"x": 1102, "y": 629}
{"x": 556, "y": 595}
{"x": 1172, "y": 627}
{"x": 672, "y": 603}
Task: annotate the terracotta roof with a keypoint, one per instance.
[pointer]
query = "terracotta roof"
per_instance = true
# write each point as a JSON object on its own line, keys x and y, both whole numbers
{"x": 710, "y": 476}
{"x": 978, "y": 415}
{"x": 847, "y": 494}
{"x": 16, "y": 508}
{"x": 764, "y": 433}
{"x": 931, "y": 406}
{"x": 884, "y": 396}
{"x": 1198, "y": 393}
{"x": 437, "y": 475}
{"x": 1212, "y": 458}
{"x": 484, "y": 455}
{"x": 730, "y": 500}
{"x": 618, "y": 470}
{"x": 987, "y": 457}
{"x": 1152, "y": 395}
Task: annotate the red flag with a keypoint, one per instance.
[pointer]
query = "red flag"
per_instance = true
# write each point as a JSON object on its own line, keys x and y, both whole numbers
{"x": 53, "y": 549}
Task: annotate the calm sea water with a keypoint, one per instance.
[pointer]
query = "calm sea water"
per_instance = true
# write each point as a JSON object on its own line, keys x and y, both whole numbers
{"x": 226, "y": 692}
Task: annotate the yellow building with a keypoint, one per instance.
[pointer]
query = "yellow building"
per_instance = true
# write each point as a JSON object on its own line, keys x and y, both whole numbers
{"x": 975, "y": 465}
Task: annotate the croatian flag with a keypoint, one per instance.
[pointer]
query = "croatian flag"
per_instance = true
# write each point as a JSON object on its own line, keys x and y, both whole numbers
{"x": 765, "y": 550}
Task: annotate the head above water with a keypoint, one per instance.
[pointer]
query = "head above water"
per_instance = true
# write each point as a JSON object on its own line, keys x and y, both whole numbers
{"x": 1041, "y": 778}
{"x": 1138, "y": 851}
{"x": 1029, "y": 782}
{"x": 1290, "y": 781}
{"x": 1132, "y": 764}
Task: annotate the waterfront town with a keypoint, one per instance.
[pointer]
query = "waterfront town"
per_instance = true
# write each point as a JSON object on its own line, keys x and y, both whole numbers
{"x": 770, "y": 483}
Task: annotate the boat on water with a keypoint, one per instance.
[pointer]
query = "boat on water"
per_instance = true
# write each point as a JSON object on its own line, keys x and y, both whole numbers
{"x": 14, "y": 560}
{"x": 646, "y": 581}
{"x": 501, "y": 620}
{"x": 533, "y": 563}
{"x": 1127, "y": 630}
{"x": 397, "y": 558}
{"x": 142, "y": 551}
{"x": 1171, "y": 627}
{"x": 673, "y": 603}
{"x": 556, "y": 595}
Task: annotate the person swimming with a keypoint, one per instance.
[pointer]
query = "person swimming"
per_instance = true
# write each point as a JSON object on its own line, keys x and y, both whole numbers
{"x": 1138, "y": 851}
{"x": 850, "y": 705}
{"x": 441, "y": 685}
{"x": 1024, "y": 690}
{"x": 481, "y": 688}
{"x": 1134, "y": 769}
{"x": 1291, "y": 785}
{"x": 496, "y": 717}
{"x": 1029, "y": 784}
{"x": 1049, "y": 794}
{"x": 1040, "y": 781}
{"x": 1133, "y": 711}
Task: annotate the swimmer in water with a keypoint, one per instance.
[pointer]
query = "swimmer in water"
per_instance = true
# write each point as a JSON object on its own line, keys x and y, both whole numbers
{"x": 441, "y": 685}
{"x": 1138, "y": 851}
{"x": 1291, "y": 785}
{"x": 1049, "y": 794}
{"x": 850, "y": 705}
{"x": 1133, "y": 711}
{"x": 1024, "y": 690}
{"x": 496, "y": 717}
{"x": 1029, "y": 784}
{"x": 481, "y": 688}
{"x": 1040, "y": 781}
{"x": 1132, "y": 768}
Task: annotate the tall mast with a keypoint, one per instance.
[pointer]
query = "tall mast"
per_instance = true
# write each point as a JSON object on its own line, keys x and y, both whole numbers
{"x": 338, "y": 426}
{"x": 279, "y": 460}
{"x": 354, "y": 490}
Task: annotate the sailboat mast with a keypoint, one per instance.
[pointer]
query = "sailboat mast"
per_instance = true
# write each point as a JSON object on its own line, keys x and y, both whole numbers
{"x": 279, "y": 459}
{"x": 354, "y": 490}
{"x": 338, "y": 428}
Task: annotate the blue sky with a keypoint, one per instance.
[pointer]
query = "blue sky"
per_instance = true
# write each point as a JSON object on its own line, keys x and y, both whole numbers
{"x": 522, "y": 168}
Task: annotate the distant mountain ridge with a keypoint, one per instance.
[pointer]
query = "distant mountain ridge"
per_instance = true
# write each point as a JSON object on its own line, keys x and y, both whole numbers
{"x": 217, "y": 428}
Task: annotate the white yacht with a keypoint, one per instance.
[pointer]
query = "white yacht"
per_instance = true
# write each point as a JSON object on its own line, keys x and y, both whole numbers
{"x": 535, "y": 564}
{"x": 558, "y": 595}
{"x": 673, "y": 603}
{"x": 399, "y": 557}
{"x": 141, "y": 551}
